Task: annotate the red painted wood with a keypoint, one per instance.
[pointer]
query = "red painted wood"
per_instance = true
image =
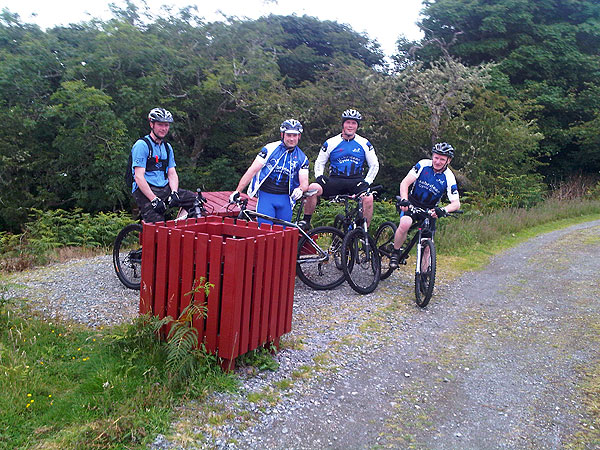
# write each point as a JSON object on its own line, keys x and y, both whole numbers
{"x": 161, "y": 270}
{"x": 214, "y": 297}
{"x": 187, "y": 269}
{"x": 173, "y": 274}
{"x": 276, "y": 290}
{"x": 285, "y": 275}
{"x": 268, "y": 288}
{"x": 252, "y": 271}
{"x": 257, "y": 278}
{"x": 292, "y": 257}
{"x": 218, "y": 203}
{"x": 231, "y": 300}
{"x": 201, "y": 276}
{"x": 245, "y": 279}
{"x": 147, "y": 278}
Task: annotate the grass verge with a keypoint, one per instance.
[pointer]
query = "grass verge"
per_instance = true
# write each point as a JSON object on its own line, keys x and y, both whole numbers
{"x": 65, "y": 386}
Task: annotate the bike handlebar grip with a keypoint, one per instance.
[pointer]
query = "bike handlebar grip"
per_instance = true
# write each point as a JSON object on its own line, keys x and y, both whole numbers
{"x": 402, "y": 201}
{"x": 376, "y": 188}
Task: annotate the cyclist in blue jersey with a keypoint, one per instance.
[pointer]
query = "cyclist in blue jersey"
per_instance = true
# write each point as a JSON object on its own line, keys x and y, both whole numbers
{"x": 155, "y": 181}
{"x": 347, "y": 154}
{"x": 278, "y": 176}
{"x": 430, "y": 179}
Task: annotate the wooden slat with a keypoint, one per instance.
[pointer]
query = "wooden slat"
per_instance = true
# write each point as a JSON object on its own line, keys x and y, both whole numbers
{"x": 147, "y": 275}
{"x": 201, "y": 274}
{"x": 231, "y": 300}
{"x": 257, "y": 277}
{"x": 276, "y": 290}
{"x": 187, "y": 269}
{"x": 173, "y": 274}
{"x": 294, "y": 236}
{"x": 285, "y": 275}
{"x": 161, "y": 265}
{"x": 215, "y": 249}
{"x": 247, "y": 299}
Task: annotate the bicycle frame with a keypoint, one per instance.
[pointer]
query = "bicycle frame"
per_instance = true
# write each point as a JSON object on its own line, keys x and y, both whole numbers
{"x": 354, "y": 214}
{"x": 424, "y": 225}
{"x": 246, "y": 214}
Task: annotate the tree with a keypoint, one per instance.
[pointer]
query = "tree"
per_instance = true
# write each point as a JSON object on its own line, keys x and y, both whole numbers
{"x": 548, "y": 50}
{"x": 85, "y": 166}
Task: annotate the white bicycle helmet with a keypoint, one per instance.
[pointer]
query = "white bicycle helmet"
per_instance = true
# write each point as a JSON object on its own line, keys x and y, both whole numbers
{"x": 160, "y": 115}
{"x": 444, "y": 149}
{"x": 291, "y": 126}
{"x": 351, "y": 114}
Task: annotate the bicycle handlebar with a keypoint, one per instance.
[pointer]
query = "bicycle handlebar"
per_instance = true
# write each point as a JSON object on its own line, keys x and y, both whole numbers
{"x": 400, "y": 202}
{"x": 368, "y": 190}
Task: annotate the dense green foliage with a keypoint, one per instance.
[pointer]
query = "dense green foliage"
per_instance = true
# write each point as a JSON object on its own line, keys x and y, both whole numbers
{"x": 547, "y": 55}
{"x": 46, "y": 231}
{"x": 513, "y": 85}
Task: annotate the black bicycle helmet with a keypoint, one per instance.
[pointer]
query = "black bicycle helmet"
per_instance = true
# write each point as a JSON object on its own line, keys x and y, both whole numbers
{"x": 443, "y": 148}
{"x": 291, "y": 126}
{"x": 160, "y": 115}
{"x": 351, "y": 114}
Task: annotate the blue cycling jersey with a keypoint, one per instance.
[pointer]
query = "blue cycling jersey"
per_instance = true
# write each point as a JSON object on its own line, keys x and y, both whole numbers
{"x": 430, "y": 186}
{"x": 347, "y": 158}
{"x": 140, "y": 158}
{"x": 280, "y": 173}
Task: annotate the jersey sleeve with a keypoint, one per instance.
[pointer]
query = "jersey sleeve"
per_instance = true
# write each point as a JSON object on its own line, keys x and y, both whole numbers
{"x": 452, "y": 189}
{"x": 321, "y": 160}
{"x": 372, "y": 162}
{"x": 263, "y": 153}
{"x": 139, "y": 154}
{"x": 305, "y": 163}
{"x": 418, "y": 168}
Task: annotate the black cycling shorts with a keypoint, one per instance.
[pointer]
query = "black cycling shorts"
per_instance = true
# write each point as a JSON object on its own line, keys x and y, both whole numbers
{"x": 417, "y": 218}
{"x": 340, "y": 186}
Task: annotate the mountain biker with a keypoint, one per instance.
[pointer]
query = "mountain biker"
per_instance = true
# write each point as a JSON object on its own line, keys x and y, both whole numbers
{"x": 155, "y": 181}
{"x": 347, "y": 153}
{"x": 278, "y": 176}
{"x": 429, "y": 179}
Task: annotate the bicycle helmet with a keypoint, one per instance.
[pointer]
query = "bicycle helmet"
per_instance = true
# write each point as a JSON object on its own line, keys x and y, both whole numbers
{"x": 351, "y": 114}
{"x": 291, "y": 126}
{"x": 444, "y": 149}
{"x": 160, "y": 115}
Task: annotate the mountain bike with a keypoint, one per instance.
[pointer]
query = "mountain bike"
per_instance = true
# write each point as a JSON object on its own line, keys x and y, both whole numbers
{"x": 359, "y": 260}
{"x": 127, "y": 248}
{"x": 422, "y": 236}
{"x": 318, "y": 248}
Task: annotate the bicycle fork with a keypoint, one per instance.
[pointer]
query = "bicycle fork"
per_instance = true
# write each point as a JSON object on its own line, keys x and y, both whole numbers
{"x": 419, "y": 253}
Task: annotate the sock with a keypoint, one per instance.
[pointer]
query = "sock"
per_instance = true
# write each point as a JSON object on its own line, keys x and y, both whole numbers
{"x": 307, "y": 218}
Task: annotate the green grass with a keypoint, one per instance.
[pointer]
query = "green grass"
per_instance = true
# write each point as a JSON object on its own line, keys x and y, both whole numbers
{"x": 64, "y": 386}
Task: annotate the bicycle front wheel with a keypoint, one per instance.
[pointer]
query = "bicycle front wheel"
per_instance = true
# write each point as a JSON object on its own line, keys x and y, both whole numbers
{"x": 360, "y": 261}
{"x": 425, "y": 279}
{"x": 316, "y": 265}
{"x": 127, "y": 255}
{"x": 384, "y": 239}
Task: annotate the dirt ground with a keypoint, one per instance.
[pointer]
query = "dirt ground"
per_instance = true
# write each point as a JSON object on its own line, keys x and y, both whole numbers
{"x": 502, "y": 358}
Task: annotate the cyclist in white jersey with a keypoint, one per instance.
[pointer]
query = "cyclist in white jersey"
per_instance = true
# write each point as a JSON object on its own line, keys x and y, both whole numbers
{"x": 429, "y": 179}
{"x": 347, "y": 154}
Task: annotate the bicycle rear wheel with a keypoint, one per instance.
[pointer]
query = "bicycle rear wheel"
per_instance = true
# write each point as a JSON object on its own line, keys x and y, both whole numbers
{"x": 360, "y": 261}
{"x": 315, "y": 270}
{"x": 384, "y": 239}
{"x": 425, "y": 280}
{"x": 127, "y": 255}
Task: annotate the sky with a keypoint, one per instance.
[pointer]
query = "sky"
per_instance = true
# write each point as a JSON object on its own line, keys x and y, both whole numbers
{"x": 382, "y": 20}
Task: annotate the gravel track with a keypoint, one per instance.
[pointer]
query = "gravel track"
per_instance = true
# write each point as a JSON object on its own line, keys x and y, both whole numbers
{"x": 496, "y": 361}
